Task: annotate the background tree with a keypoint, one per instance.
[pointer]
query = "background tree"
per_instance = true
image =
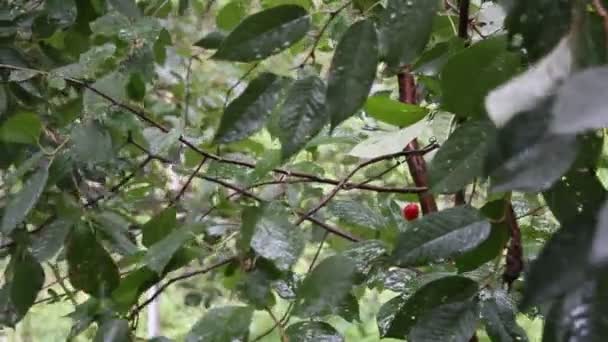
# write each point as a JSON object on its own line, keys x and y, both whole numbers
{"x": 270, "y": 146}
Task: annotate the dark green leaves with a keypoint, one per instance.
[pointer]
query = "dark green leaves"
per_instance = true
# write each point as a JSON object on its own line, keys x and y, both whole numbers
{"x": 264, "y": 34}
{"x": 312, "y": 332}
{"x": 405, "y": 30}
{"x": 460, "y": 159}
{"x": 482, "y": 67}
{"x": 248, "y": 112}
{"x": 302, "y": 115}
{"x": 358, "y": 214}
{"x": 23, "y": 280}
{"x": 326, "y": 287}
{"x": 90, "y": 267}
{"x": 541, "y": 24}
{"x": 21, "y": 128}
{"x": 498, "y": 314}
{"x": 160, "y": 253}
{"x": 228, "y": 323}
{"x": 24, "y": 201}
{"x": 455, "y": 322}
{"x": 441, "y": 235}
{"x": 352, "y": 71}
{"x": 277, "y": 239}
{"x": 394, "y": 112}
{"x": 417, "y": 308}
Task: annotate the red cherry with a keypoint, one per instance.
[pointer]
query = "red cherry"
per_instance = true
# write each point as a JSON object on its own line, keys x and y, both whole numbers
{"x": 411, "y": 211}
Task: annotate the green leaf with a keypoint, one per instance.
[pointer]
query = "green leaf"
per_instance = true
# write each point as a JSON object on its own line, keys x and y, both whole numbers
{"x": 49, "y": 241}
{"x": 580, "y": 315}
{"x": 126, "y": 7}
{"x": 384, "y": 143}
{"x": 394, "y": 112}
{"x": 405, "y": 30}
{"x": 443, "y": 291}
{"x": 455, "y": 322}
{"x": 22, "y": 128}
{"x": 158, "y": 227}
{"x": 312, "y": 332}
{"x": 482, "y": 67}
{"x": 524, "y": 157}
{"x": 90, "y": 267}
{"x": 538, "y": 26}
{"x": 91, "y": 143}
{"x": 303, "y": 114}
{"x": 211, "y": 41}
{"x": 160, "y": 253}
{"x": 562, "y": 264}
{"x": 136, "y": 88}
{"x": 248, "y": 113}
{"x": 115, "y": 229}
{"x": 325, "y": 287}
{"x": 352, "y": 71}
{"x": 24, "y": 279}
{"x": 445, "y": 234}
{"x": 21, "y": 203}
{"x": 112, "y": 85}
{"x": 3, "y": 100}
{"x": 256, "y": 287}
{"x": 277, "y": 239}
{"x": 494, "y": 245}
{"x": 231, "y": 15}
{"x": 358, "y": 214}
{"x": 264, "y": 34}
{"x": 461, "y": 158}
{"x": 365, "y": 254}
{"x": 499, "y": 316}
{"x": 114, "y": 330}
{"x": 221, "y": 324}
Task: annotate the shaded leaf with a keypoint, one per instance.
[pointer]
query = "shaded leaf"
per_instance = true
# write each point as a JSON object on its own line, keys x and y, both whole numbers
{"x": 21, "y": 203}
{"x": 303, "y": 114}
{"x": 561, "y": 266}
{"x": 405, "y": 30}
{"x": 160, "y": 253}
{"x": 493, "y": 246}
{"x": 540, "y": 24}
{"x": 499, "y": 316}
{"x": 455, "y": 322}
{"x": 90, "y": 267}
{"x": 358, "y": 214}
{"x": 365, "y": 254}
{"x": 221, "y": 324}
{"x": 126, "y": 7}
{"x": 22, "y": 128}
{"x": 445, "y": 290}
{"x": 159, "y": 226}
{"x": 91, "y": 143}
{"x": 445, "y": 234}
{"x": 114, "y": 330}
{"x": 277, "y": 239}
{"x": 394, "y": 112}
{"x": 49, "y": 241}
{"x": 312, "y": 332}
{"x": 231, "y": 15}
{"x": 352, "y": 71}
{"x": 325, "y": 287}
{"x": 461, "y": 158}
{"x": 384, "y": 143}
{"x": 112, "y": 85}
{"x": 482, "y": 67}
{"x": 264, "y": 34}
{"x": 524, "y": 157}
{"x": 212, "y": 40}
{"x": 248, "y": 113}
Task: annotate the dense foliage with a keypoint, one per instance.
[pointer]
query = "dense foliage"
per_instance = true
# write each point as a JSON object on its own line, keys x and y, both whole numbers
{"x": 271, "y": 145}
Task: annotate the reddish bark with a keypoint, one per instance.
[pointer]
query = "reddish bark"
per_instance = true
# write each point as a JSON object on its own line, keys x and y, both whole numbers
{"x": 416, "y": 164}
{"x": 514, "y": 259}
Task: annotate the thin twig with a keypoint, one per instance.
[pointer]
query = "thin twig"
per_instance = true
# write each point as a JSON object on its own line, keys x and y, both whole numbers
{"x": 362, "y": 165}
{"x": 61, "y": 282}
{"x": 176, "y": 279}
{"x": 182, "y": 191}
{"x": 238, "y": 82}
{"x": 332, "y": 16}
